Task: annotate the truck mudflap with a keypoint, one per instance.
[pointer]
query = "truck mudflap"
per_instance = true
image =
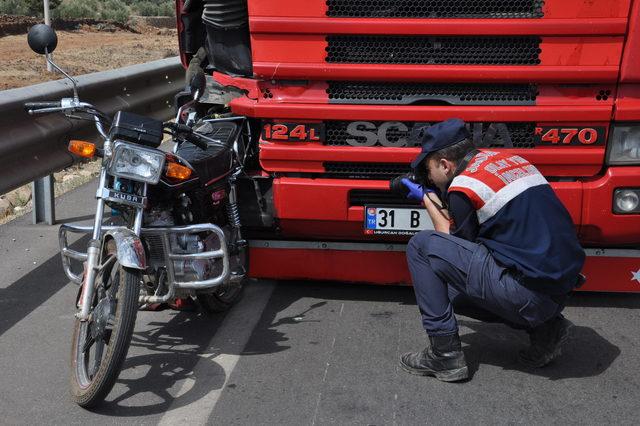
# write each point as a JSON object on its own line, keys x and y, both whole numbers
{"x": 609, "y": 270}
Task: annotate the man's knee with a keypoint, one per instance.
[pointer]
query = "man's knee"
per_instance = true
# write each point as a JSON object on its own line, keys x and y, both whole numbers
{"x": 419, "y": 244}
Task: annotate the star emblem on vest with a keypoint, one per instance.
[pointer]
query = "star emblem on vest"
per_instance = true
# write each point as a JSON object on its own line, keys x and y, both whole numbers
{"x": 636, "y": 275}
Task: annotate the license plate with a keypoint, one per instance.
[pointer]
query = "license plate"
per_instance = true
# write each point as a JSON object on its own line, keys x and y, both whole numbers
{"x": 123, "y": 198}
{"x": 380, "y": 220}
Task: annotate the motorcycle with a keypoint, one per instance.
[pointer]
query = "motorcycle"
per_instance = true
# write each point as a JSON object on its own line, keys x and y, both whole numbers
{"x": 179, "y": 236}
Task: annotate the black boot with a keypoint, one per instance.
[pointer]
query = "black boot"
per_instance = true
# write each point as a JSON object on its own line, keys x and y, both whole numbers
{"x": 546, "y": 342}
{"x": 444, "y": 359}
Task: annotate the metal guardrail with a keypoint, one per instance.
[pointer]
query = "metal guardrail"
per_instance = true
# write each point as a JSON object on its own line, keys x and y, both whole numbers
{"x": 32, "y": 147}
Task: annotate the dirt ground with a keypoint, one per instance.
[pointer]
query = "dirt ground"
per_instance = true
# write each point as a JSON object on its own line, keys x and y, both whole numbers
{"x": 86, "y": 50}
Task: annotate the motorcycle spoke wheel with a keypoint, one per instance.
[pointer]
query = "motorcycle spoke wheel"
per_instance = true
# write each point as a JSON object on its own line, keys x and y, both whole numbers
{"x": 88, "y": 342}
{"x": 97, "y": 357}
{"x": 100, "y": 344}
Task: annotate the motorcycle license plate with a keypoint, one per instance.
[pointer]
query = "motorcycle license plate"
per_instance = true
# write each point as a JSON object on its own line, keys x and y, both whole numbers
{"x": 381, "y": 220}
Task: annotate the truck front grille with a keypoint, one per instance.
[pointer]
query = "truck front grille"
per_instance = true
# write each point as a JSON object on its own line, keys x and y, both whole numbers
{"x": 363, "y": 197}
{"x": 485, "y": 135}
{"x": 348, "y": 92}
{"x": 381, "y": 171}
{"x": 425, "y": 50}
{"x": 435, "y": 8}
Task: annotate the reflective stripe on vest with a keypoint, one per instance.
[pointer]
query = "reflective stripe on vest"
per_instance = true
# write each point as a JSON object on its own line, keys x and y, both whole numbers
{"x": 493, "y": 179}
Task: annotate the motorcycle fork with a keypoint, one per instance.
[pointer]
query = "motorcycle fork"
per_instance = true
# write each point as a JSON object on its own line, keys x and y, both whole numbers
{"x": 94, "y": 255}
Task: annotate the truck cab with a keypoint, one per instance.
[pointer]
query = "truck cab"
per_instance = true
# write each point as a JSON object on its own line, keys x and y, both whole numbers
{"x": 334, "y": 88}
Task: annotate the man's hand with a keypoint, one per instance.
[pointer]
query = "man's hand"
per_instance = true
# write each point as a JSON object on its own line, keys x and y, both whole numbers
{"x": 416, "y": 191}
{"x": 439, "y": 216}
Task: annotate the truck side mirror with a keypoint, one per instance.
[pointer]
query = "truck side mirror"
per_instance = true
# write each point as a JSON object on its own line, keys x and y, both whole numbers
{"x": 42, "y": 39}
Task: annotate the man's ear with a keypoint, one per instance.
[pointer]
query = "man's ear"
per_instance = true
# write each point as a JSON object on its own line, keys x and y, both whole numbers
{"x": 447, "y": 165}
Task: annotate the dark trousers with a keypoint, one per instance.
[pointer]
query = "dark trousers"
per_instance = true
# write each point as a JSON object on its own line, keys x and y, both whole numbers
{"x": 448, "y": 271}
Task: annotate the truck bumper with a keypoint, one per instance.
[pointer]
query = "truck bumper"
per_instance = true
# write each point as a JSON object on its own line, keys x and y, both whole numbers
{"x": 608, "y": 270}
{"x": 319, "y": 212}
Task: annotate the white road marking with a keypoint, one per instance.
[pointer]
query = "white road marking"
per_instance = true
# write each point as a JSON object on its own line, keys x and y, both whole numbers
{"x": 324, "y": 379}
{"x": 223, "y": 349}
{"x": 394, "y": 403}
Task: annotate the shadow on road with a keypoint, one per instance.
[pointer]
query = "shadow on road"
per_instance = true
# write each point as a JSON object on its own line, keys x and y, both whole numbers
{"x": 176, "y": 347}
{"x": 25, "y": 295}
{"x": 605, "y": 300}
{"x": 154, "y": 382}
{"x": 586, "y": 354}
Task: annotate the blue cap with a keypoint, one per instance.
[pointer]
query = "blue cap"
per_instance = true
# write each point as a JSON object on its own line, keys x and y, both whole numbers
{"x": 438, "y": 136}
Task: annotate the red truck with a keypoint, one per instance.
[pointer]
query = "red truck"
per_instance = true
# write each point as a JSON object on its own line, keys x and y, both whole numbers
{"x": 334, "y": 88}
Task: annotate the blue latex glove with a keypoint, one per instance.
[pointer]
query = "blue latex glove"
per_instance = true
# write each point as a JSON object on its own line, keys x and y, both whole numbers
{"x": 416, "y": 191}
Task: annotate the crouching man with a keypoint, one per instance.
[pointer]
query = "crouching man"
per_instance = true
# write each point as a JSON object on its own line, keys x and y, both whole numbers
{"x": 503, "y": 243}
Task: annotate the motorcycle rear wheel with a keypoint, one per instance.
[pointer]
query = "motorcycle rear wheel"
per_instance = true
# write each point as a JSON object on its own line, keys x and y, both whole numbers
{"x": 100, "y": 345}
{"x": 228, "y": 294}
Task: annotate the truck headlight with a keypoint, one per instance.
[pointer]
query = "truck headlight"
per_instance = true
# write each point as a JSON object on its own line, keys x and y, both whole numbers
{"x": 626, "y": 201}
{"x": 624, "y": 145}
{"x": 136, "y": 163}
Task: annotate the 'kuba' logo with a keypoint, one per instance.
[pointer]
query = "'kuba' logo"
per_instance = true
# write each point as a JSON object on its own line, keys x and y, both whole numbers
{"x": 124, "y": 197}
{"x": 397, "y": 134}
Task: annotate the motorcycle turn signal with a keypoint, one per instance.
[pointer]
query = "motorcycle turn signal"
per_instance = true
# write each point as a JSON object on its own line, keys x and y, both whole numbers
{"x": 82, "y": 148}
{"x": 177, "y": 171}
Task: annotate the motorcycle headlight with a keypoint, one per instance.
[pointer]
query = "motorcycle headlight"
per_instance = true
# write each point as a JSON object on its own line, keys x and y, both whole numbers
{"x": 136, "y": 163}
{"x": 624, "y": 145}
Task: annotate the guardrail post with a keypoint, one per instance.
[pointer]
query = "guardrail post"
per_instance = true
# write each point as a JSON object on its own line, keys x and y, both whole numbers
{"x": 42, "y": 196}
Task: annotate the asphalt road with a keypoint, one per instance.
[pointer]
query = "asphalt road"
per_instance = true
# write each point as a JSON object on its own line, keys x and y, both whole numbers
{"x": 298, "y": 353}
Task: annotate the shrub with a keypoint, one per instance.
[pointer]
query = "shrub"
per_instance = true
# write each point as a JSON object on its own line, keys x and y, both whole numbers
{"x": 146, "y": 8}
{"x": 154, "y": 8}
{"x": 36, "y": 7}
{"x": 115, "y": 10}
{"x": 13, "y": 7}
{"x": 26, "y": 7}
{"x": 77, "y": 9}
{"x": 167, "y": 8}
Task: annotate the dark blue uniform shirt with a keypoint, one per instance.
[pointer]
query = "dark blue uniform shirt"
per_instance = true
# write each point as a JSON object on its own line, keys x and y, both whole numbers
{"x": 532, "y": 235}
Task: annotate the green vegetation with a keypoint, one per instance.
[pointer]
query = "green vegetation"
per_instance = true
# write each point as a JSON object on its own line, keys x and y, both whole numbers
{"x": 13, "y": 7}
{"x": 36, "y": 6}
{"x": 154, "y": 8}
{"x": 116, "y": 10}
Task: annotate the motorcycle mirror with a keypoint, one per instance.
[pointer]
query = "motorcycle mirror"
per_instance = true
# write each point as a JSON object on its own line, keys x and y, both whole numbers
{"x": 42, "y": 39}
{"x": 197, "y": 85}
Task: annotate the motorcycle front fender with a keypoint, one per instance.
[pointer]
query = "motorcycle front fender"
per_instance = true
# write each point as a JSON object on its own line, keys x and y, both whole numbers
{"x": 129, "y": 248}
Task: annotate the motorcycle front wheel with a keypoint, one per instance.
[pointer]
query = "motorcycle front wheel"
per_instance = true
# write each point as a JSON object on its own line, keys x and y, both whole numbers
{"x": 101, "y": 343}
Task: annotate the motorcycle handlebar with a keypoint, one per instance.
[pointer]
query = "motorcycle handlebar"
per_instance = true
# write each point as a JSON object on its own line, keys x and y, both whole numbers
{"x": 187, "y": 133}
{"x": 195, "y": 139}
{"x": 41, "y": 105}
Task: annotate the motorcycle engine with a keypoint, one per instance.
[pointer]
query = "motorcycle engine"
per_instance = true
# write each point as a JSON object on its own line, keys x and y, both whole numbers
{"x": 198, "y": 269}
